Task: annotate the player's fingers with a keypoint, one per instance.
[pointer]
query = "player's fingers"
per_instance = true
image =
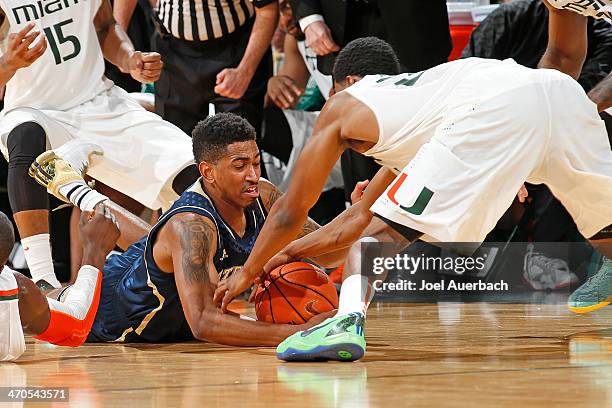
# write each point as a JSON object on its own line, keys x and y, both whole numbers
{"x": 27, "y": 40}
{"x": 23, "y": 32}
{"x": 37, "y": 51}
{"x": 227, "y": 299}
{"x": 281, "y": 101}
{"x": 289, "y": 95}
{"x": 84, "y": 219}
{"x": 156, "y": 65}
{"x": 221, "y": 76}
{"x": 151, "y": 72}
{"x": 253, "y": 293}
{"x": 151, "y": 57}
{"x": 220, "y": 292}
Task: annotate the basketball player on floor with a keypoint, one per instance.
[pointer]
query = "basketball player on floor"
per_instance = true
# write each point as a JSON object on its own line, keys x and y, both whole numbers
{"x": 456, "y": 141}
{"x": 64, "y": 316}
{"x": 57, "y": 97}
{"x": 568, "y": 42}
{"x": 161, "y": 289}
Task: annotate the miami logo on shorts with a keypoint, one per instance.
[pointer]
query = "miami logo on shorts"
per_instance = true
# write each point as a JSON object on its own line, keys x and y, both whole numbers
{"x": 421, "y": 202}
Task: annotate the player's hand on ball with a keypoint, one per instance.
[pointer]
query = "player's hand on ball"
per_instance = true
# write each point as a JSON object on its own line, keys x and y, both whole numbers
{"x": 18, "y": 53}
{"x": 145, "y": 67}
{"x": 283, "y": 257}
{"x": 231, "y": 287}
{"x": 283, "y": 91}
{"x": 232, "y": 82}
{"x": 99, "y": 231}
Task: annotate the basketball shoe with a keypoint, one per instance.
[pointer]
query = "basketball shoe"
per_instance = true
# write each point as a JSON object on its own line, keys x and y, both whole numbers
{"x": 545, "y": 273}
{"x": 595, "y": 293}
{"x": 52, "y": 172}
{"x": 338, "y": 338}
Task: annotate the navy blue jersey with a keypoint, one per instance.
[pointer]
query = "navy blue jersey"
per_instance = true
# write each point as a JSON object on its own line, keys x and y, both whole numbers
{"x": 139, "y": 302}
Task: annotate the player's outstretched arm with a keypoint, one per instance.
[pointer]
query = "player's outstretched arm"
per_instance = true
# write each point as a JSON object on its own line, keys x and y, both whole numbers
{"x": 194, "y": 241}
{"x": 567, "y": 42}
{"x": 328, "y": 245}
{"x": 270, "y": 194}
{"x": 290, "y": 212}
{"x": 117, "y": 48}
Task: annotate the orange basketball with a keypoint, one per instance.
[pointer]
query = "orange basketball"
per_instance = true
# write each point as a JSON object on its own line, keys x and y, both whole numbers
{"x": 294, "y": 293}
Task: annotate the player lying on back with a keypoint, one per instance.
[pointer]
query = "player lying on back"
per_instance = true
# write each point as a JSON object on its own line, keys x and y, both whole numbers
{"x": 161, "y": 289}
{"x": 62, "y": 316}
{"x": 456, "y": 143}
{"x": 568, "y": 42}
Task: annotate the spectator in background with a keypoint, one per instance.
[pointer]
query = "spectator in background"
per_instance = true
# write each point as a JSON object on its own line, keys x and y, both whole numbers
{"x": 213, "y": 52}
{"x": 293, "y": 101}
{"x": 417, "y": 29}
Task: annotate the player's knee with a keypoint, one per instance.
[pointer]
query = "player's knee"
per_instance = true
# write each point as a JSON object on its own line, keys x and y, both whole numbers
{"x": 25, "y": 142}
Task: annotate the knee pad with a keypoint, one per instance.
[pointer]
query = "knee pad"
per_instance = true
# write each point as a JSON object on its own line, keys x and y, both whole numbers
{"x": 24, "y": 144}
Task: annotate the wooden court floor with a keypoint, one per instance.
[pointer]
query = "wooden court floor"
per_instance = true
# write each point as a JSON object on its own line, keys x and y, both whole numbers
{"x": 450, "y": 354}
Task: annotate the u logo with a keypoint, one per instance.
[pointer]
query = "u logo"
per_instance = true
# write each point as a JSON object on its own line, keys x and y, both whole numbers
{"x": 421, "y": 202}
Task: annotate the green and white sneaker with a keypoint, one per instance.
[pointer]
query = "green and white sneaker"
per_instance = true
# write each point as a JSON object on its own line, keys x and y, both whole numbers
{"x": 595, "y": 293}
{"x": 339, "y": 338}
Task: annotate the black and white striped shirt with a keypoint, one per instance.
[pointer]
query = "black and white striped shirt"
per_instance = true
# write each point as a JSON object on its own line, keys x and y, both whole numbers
{"x": 202, "y": 20}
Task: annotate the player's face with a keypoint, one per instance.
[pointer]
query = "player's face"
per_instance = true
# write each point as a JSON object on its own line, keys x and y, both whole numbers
{"x": 237, "y": 174}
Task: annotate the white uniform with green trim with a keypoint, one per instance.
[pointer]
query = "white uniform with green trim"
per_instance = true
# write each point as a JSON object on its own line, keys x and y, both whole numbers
{"x": 65, "y": 92}
{"x": 588, "y": 8}
{"x": 12, "y": 342}
{"x": 464, "y": 136}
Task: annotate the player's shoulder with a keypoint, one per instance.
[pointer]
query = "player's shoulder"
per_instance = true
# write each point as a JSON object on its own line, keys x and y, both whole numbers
{"x": 268, "y": 193}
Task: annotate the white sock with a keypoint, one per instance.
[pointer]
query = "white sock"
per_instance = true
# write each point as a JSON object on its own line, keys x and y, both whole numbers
{"x": 79, "y": 297}
{"x": 81, "y": 195}
{"x": 37, "y": 251}
{"x": 355, "y": 295}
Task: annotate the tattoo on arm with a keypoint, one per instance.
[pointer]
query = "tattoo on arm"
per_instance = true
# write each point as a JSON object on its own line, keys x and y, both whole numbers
{"x": 197, "y": 238}
{"x": 273, "y": 197}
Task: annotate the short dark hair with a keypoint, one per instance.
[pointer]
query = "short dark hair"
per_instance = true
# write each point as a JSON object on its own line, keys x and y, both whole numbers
{"x": 366, "y": 56}
{"x": 212, "y": 135}
{"x": 7, "y": 238}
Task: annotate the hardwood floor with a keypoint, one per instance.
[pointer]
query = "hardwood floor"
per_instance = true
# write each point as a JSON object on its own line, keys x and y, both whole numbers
{"x": 450, "y": 354}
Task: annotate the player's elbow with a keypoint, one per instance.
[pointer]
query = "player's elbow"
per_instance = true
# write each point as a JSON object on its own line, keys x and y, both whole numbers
{"x": 204, "y": 329}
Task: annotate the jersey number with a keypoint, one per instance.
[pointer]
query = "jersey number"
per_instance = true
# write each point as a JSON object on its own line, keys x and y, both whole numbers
{"x": 56, "y": 32}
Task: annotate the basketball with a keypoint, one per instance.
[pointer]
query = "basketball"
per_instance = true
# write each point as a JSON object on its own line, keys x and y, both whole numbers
{"x": 294, "y": 293}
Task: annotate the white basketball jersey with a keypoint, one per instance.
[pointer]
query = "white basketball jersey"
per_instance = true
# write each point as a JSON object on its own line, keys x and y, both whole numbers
{"x": 410, "y": 108}
{"x": 588, "y": 8}
{"x": 71, "y": 70}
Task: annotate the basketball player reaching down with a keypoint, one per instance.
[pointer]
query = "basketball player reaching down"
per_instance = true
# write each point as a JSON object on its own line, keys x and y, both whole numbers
{"x": 456, "y": 141}
{"x": 161, "y": 289}
{"x": 64, "y": 316}
{"x": 567, "y": 41}
{"x": 57, "y": 97}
